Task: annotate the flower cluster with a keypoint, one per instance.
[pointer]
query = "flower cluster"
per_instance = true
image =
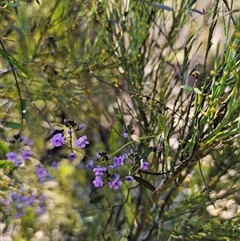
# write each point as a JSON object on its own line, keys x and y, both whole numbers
{"x": 23, "y": 153}
{"x": 59, "y": 138}
{"x": 42, "y": 174}
{"x": 108, "y": 171}
{"x": 22, "y": 150}
{"x": 18, "y": 201}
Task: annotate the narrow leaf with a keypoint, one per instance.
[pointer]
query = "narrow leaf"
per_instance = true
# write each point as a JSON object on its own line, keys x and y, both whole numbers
{"x": 3, "y": 147}
{"x": 14, "y": 62}
{"x": 25, "y": 111}
{"x": 96, "y": 199}
{"x": 192, "y": 3}
{"x": 162, "y": 6}
{"x": 186, "y": 87}
{"x": 144, "y": 183}
{"x": 197, "y": 91}
{"x": 14, "y": 125}
{"x": 196, "y": 11}
{"x": 147, "y": 152}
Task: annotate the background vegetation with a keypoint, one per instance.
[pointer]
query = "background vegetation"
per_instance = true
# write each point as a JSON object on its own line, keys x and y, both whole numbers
{"x": 167, "y": 73}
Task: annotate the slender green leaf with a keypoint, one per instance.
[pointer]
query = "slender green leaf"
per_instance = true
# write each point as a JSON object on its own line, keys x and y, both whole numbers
{"x": 25, "y": 110}
{"x": 144, "y": 183}
{"x": 3, "y": 147}
{"x": 162, "y": 6}
{"x": 197, "y": 91}
{"x": 147, "y": 152}
{"x": 96, "y": 199}
{"x": 196, "y": 11}
{"x": 14, "y": 125}
{"x": 14, "y": 62}
{"x": 186, "y": 87}
{"x": 192, "y": 3}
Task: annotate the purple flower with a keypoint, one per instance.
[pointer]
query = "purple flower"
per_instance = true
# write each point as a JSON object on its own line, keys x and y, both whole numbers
{"x": 18, "y": 163}
{"x": 26, "y": 154}
{"x": 19, "y": 214}
{"x": 40, "y": 210}
{"x": 72, "y": 156}
{"x": 118, "y": 161}
{"x": 143, "y": 165}
{"x": 21, "y": 199}
{"x": 55, "y": 164}
{"x": 12, "y": 156}
{"x": 15, "y": 196}
{"x": 41, "y": 174}
{"x": 99, "y": 171}
{"x": 26, "y": 140}
{"x": 5, "y": 202}
{"x": 116, "y": 182}
{"x": 80, "y": 127}
{"x": 129, "y": 178}
{"x": 57, "y": 140}
{"x": 81, "y": 142}
{"x": 124, "y": 134}
{"x": 27, "y": 200}
{"x": 97, "y": 182}
{"x": 90, "y": 165}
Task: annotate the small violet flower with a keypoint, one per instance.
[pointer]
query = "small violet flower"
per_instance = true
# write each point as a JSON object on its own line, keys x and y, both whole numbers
{"x": 26, "y": 140}
{"x": 18, "y": 163}
{"x": 57, "y": 140}
{"x": 97, "y": 182}
{"x": 15, "y": 159}
{"x": 12, "y": 156}
{"x": 90, "y": 165}
{"x": 80, "y": 127}
{"x": 81, "y": 142}
{"x": 118, "y": 161}
{"x": 26, "y": 154}
{"x": 99, "y": 171}
{"x": 20, "y": 199}
{"x": 72, "y": 156}
{"x": 55, "y": 164}
{"x": 116, "y": 182}
{"x": 42, "y": 174}
{"x": 124, "y": 134}
{"x": 129, "y": 178}
{"x": 19, "y": 214}
{"x": 143, "y": 165}
{"x": 40, "y": 210}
